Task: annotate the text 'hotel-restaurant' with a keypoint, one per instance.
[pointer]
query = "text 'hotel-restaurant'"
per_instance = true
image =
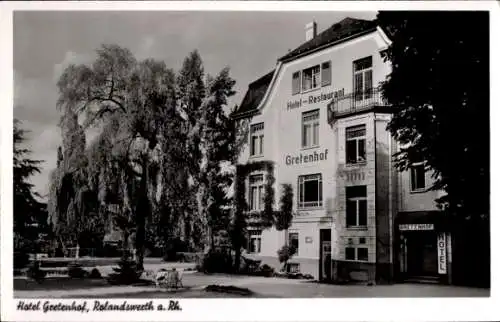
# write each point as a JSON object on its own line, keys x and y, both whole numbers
{"x": 321, "y": 119}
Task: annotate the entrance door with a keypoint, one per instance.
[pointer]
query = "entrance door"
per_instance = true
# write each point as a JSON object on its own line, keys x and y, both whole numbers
{"x": 422, "y": 253}
{"x": 325, "y": 255}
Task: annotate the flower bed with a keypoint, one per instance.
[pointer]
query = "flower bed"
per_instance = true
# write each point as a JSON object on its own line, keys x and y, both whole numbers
{"x": 228, "y": 289}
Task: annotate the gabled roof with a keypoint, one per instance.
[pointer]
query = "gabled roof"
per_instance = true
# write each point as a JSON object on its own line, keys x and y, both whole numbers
{"x": 338, "y": 32}
{"x": 255, "y": 94}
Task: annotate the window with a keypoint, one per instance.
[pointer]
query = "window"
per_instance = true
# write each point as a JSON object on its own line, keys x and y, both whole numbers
{"x": 310, "y": 78}
{"x": 293, "y": 240}
{"x": 363, "y": 80}
{"x": 256, "y": 192}
{"x": 417, "y": 171}
{"x": 355, "y": 252}
{"x": 326, "y": 74}
{"x": 293, "y": 268}
{"x": 310, "y": 129}
{"x": 257, "y": 139}
{"x": 296, "y": 83}
{"x": 313, "y": 77}
{"x": 254, "y": 241}
{"x": 362, "y": 254}
{"x": 356, "y": 144}
{"x": 310, "y": 191}
{"x": 356, "y": 207}
{"x": 350, "y": 253}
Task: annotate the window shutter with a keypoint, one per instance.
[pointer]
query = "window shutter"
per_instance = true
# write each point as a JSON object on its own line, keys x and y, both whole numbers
{"x": 326, "y": 74}
{"x": 296, "y": 83}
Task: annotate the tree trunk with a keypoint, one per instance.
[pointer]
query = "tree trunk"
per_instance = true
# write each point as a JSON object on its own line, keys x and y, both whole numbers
{"x": 237, "y": 259}
{"x": 142, "y": 210}
{"x": 63, "y": 246}
{"x": 125, "y": 237}
{"x": 203, "y": 215}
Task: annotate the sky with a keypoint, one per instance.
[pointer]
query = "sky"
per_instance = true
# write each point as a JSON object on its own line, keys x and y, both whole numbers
{"x": 46, "y": 42}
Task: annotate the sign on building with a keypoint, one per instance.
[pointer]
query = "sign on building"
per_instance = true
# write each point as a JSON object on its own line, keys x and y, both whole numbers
{"x": 416, "y": 227}
{"x": 441, "y": 248}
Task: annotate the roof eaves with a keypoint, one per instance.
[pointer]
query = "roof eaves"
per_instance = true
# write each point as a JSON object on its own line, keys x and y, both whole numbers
{"x": 330, "y": 44}
{"x": 245, "y": 114}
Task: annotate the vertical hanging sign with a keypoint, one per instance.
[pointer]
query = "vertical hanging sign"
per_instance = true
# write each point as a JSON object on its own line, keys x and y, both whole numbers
{"x": 441, "y": 250}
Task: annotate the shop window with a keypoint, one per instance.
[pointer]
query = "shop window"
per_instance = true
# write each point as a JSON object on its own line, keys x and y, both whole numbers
{"x": 254, "y": 241}
{"x": 356, "y": 144}
{"x": 310, "y": 129}
{"x": 311, "y": 78}
{"x": 356, "y": 253}
{"x": 356, "y": 207}
{"x": 310, "y": 191}
{"x": 257, "y": 139}
{"x": 293, "y": 240}
{"x": 296, "y": 83}
{"x": 417, "y": 171}
{"x": 363, "y": 78}
{"x": 326, "y": 74}
{"x": 256, "y": 183}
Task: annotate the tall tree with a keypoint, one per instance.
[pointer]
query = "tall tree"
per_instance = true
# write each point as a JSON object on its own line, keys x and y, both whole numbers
{"x": 208, "y": 144}
{"x": 27, "y": 209}
{"x": 440, "y": 82}
{"x": 217, "y": 149}
{"x": 191, "y": 91}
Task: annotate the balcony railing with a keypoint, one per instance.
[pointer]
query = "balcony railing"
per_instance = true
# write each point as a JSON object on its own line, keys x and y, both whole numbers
{"x": 355, "y": 102}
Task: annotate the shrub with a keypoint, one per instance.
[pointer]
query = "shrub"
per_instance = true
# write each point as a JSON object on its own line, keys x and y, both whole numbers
{"x": 174, "y": 250}
{"x": 265, "y": 270}
{"x": 250, "y": 266}
{"x": 110, "y": 250}
{"x": 75, "y": 270}
{"x": 94, "y": 273}
{"x": 21, "y": 259}
{"x": 126, "y": 273}
{"x": 216, "y": 262}
{"x": 35, "y": 272}
{"x": 285, "y": 253}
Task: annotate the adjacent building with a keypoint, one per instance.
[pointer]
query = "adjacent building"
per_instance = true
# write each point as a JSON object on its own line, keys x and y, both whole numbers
{"x": 321, "y": 119}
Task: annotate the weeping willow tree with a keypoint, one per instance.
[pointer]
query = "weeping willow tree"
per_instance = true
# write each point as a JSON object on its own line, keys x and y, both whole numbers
{"x": 72, "y": 205}
{"x": 129, "y": 101}
{"x": 154, "y": 169}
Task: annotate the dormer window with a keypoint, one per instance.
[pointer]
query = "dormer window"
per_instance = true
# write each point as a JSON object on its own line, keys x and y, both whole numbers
{"x": 311, "y": 78}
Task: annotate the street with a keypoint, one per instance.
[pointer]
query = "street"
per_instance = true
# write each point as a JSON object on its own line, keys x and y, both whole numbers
{"x": 194, "y": 284}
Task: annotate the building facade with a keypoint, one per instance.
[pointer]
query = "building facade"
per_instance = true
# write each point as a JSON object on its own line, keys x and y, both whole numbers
{"x": 321, "y": 119}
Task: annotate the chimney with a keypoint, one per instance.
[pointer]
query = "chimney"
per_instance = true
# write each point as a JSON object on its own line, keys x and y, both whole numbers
{"x": 311, "y": 30}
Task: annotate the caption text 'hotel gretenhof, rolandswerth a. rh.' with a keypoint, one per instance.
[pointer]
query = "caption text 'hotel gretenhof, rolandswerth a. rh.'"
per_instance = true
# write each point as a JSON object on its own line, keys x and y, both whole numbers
{"x": 321, "y": 119}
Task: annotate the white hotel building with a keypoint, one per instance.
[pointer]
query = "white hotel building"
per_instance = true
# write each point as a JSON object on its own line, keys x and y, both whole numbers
{"x": 321, "y": 119}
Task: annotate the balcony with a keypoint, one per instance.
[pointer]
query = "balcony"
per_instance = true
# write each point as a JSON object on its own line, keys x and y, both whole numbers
{"x": 355, "y": 103}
